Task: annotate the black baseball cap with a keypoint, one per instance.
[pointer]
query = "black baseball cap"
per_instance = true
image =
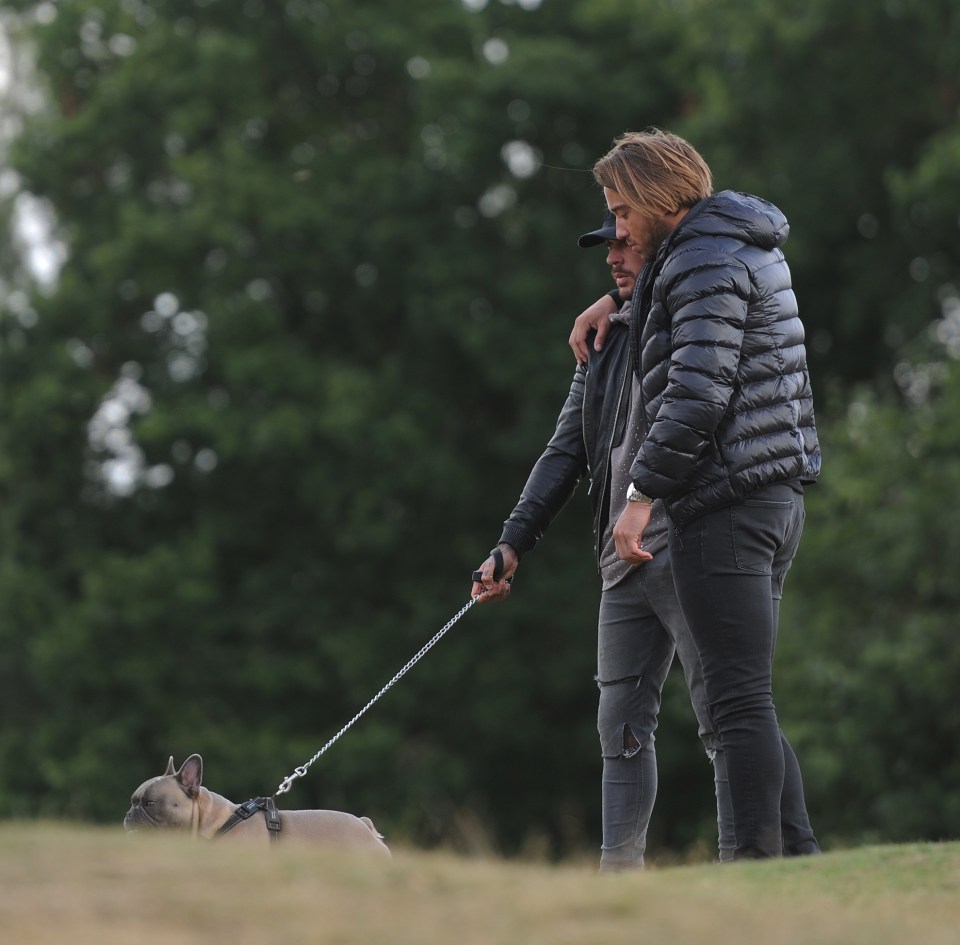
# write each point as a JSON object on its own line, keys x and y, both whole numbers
{"x": 607, "y": 231}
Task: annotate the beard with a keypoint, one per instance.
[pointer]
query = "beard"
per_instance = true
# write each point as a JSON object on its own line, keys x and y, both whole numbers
{"x": 659, "y": 231}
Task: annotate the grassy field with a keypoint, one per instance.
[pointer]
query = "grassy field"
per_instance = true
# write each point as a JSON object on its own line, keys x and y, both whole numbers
{"x": 70, "y": 885}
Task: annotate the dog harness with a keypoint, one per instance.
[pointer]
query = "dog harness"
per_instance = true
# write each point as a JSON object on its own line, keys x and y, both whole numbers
{"x": 247, "y": 809}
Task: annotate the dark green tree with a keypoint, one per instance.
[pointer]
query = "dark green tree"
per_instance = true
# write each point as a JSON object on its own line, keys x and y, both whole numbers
{"x": 869, "y": 668}
{"x": 823, "y": 107}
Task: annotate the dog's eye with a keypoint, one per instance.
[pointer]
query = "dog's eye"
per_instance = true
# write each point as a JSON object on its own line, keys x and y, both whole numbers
{"x": 149, "y": 802}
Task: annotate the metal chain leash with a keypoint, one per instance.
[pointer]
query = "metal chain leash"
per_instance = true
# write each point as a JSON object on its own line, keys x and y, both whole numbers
{"x": 419, "y": 655}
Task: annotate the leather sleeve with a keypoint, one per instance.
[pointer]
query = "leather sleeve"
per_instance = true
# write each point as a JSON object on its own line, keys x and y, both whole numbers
{"x": 554, "y": 477}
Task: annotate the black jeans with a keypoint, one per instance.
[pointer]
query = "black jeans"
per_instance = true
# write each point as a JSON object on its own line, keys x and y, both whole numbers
{"x": 729, "y": 567}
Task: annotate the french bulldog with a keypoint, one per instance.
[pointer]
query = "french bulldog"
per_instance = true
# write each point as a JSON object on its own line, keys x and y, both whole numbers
{"x": 176, "y": 800}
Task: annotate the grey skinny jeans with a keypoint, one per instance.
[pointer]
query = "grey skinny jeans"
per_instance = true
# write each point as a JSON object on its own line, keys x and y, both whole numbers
{"x": 640, "y": 629}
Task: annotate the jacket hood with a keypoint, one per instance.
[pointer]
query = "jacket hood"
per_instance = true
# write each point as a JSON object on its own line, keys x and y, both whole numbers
{"x": 743, "y": 216}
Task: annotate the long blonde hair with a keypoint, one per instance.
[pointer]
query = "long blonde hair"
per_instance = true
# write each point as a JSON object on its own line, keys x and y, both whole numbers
{"x": 655, "y": 172}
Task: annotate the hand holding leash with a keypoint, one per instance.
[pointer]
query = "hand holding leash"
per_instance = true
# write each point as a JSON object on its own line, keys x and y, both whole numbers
{"x": 492, "y": 581}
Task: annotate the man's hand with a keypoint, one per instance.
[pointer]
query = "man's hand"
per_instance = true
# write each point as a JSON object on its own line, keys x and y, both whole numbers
{"x": 628, "y": 532}
{"x": 598, "y": 317}
{"x": 489, "y": 590}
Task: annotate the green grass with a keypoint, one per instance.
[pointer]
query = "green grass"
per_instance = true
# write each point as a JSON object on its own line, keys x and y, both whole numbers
{"x": 82, "y": 885}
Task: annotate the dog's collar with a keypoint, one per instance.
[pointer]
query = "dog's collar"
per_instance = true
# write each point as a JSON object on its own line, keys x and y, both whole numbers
{"x": 247, "y": 809}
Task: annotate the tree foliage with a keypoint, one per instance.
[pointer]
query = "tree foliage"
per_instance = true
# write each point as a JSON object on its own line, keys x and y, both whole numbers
{"x": 310, "y": 335}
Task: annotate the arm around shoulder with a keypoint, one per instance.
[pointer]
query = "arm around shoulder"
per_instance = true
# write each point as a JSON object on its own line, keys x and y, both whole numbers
{"x": 595, "y": 318}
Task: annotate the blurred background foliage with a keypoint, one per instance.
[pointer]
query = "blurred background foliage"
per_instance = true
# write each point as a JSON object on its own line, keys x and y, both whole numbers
{"x": 284, "y": 302}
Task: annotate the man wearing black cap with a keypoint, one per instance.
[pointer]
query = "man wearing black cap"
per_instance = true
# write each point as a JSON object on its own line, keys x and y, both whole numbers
{"x": 640, "y": 623}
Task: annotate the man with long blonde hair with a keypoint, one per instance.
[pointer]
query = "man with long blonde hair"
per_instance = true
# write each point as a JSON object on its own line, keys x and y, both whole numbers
{"x": 722, "y": 391}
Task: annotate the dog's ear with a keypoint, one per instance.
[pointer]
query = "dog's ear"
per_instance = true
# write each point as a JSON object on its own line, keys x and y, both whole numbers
{"x": 190, "y": 775}
{"x": 170, "y": 767}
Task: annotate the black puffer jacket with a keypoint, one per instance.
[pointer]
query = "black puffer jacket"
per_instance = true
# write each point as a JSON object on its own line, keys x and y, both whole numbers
{"x": 719, "y": 347}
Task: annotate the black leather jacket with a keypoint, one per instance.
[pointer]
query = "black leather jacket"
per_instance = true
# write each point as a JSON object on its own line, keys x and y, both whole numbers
{"x": 590, "y": 424}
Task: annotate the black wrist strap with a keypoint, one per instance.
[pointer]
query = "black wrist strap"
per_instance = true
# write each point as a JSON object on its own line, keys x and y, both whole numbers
{"x": 497, "y": 556}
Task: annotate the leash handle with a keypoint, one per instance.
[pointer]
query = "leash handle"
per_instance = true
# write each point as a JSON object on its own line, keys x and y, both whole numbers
{"x": 497, "y": 556}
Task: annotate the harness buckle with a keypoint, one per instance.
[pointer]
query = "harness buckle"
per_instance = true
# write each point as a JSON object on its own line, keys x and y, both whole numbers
{"x": 272, "y": 816}
{"x": 248, "y": 808}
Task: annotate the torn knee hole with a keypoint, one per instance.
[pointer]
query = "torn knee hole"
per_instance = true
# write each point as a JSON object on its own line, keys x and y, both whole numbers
{"x": 603, "y": 683}
{"x": 621, "y": 716}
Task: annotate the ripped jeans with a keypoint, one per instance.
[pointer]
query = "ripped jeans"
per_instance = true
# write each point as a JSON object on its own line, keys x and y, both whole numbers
{"x": 640, "y": 628}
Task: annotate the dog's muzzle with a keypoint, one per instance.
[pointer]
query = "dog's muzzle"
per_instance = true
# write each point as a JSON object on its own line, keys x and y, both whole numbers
{"x": 137, "y": 819}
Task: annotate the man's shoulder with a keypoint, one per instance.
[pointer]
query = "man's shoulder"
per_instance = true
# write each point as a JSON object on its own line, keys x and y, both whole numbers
{"x": 613, "y": 344}
{"x": 704, "y": 259}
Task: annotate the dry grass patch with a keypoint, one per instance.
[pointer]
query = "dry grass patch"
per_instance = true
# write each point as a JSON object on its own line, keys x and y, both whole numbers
{"x": 96, "y": 886}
